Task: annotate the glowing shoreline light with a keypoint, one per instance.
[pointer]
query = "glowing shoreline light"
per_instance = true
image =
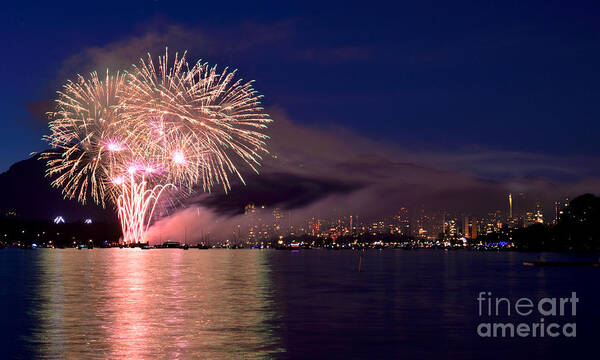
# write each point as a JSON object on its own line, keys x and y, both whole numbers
{"x": 127, "y": 139}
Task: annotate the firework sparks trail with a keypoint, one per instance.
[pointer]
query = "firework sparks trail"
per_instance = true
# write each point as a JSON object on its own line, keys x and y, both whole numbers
{"x": 135, "y": 206}
{"x": 129, "y": 137}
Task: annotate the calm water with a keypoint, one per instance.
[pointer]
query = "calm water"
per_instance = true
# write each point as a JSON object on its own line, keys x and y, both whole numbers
{"x": 257, "y": 304}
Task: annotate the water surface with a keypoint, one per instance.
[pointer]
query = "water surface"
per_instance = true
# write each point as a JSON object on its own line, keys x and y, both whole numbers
{"x": 260, "y": 304}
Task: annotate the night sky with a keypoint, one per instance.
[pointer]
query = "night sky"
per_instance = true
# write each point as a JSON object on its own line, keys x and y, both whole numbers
{"x": 500, "y": 92}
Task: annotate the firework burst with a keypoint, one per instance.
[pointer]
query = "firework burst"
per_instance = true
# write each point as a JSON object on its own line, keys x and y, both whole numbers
{"x": 127, "y": 138}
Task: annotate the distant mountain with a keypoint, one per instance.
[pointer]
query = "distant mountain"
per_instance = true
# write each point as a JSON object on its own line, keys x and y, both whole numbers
{"x": 25, "y": 191}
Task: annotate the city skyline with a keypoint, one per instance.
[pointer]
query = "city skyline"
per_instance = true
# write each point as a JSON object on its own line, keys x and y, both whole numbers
{"x": 217, "y": 214}
{"x": 260, "y": 225}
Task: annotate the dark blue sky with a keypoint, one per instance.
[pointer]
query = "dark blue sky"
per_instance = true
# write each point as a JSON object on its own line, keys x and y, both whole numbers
{"x": 501, "y": 76}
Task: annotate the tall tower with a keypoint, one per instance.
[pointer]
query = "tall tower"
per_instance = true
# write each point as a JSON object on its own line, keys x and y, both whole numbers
{"x": 466, "y": 227}
{"x": 443, "y": 222}
{"x": 510, "y": 205}
{"x": 474, "y": 228}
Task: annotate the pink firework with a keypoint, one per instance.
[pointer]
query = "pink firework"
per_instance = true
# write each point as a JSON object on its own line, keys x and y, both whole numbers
{"x": 128, "y": 139}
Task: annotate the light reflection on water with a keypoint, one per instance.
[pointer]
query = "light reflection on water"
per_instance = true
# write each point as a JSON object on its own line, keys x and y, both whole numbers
{"x": 260, "y": 304}
{"x": 135, "y": 304}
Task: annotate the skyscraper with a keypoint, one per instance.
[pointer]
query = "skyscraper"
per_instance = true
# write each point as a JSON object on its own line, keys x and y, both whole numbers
{"x": 539, "y": 215}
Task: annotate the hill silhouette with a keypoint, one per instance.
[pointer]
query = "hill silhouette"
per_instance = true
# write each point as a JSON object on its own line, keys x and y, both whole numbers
{"x": 25, "y": 190}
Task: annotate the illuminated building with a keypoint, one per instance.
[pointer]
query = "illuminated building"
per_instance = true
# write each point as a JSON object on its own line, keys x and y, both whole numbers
{"x": 451, "y": 227}
{"x": 529, "y": 219}
{"x": 403, "y": 222}
{"x": 314, "y": 226}
{"x": 539, "y": 215}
